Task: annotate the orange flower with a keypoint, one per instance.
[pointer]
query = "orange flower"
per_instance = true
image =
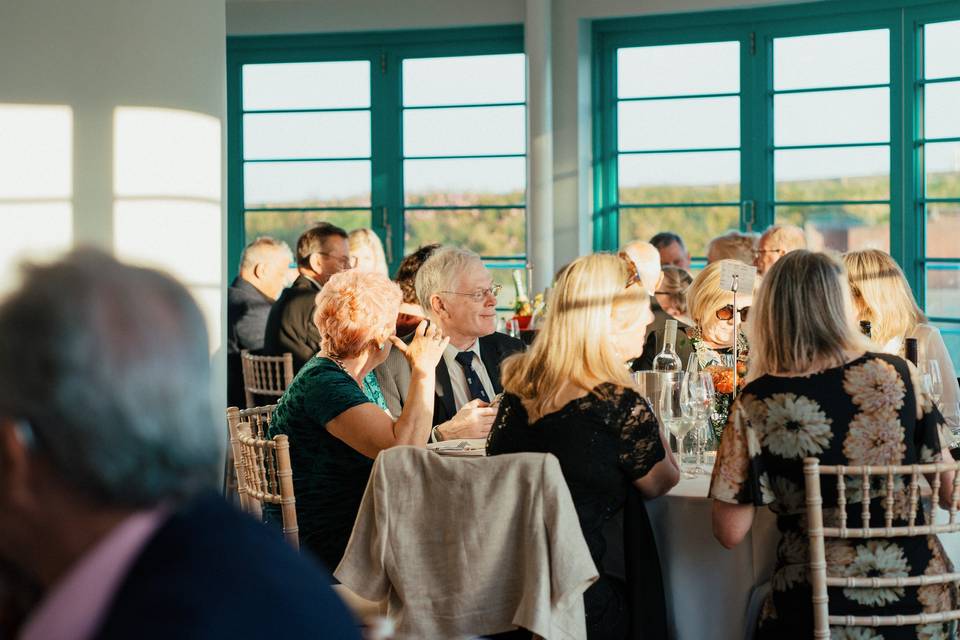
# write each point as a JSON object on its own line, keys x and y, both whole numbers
{"x": 723, "y": 377}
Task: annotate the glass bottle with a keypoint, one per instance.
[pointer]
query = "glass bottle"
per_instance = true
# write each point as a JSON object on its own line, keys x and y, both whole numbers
{"x": 668, "y": 360}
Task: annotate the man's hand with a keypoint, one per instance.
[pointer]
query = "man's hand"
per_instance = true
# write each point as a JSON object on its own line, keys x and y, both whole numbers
{"x": 472, "y": 421}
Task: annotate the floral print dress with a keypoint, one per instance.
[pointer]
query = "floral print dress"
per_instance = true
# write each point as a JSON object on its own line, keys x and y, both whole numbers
{"x": 862, "y": 413}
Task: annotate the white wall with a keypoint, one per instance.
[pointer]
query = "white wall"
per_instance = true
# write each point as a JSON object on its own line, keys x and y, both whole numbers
{"x": 569, "y": 67}
{"x": 111, "y": 134}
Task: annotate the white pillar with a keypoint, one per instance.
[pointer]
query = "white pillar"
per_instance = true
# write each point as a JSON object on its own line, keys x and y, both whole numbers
{"x": 537, "y": 44}
{"x": 111, "y": 134}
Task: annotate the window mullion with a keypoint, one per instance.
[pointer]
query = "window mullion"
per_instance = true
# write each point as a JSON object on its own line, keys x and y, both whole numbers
{"x": 386, "y": 148}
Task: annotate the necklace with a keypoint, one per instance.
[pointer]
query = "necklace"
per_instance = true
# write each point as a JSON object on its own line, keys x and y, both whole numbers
{"x": 337, "y": 361}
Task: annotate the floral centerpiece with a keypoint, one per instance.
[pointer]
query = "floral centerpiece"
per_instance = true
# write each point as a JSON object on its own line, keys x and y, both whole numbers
{"x": 523, "y": 311}
{"x": 721, "y": 372}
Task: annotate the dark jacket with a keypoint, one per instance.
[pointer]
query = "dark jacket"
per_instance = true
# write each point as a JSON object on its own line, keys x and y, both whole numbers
{"x": 247, "y": 312}
{"x": 290, "y": 323}
{"x": 394, "y": 375}
{"x": 212, "y": 573}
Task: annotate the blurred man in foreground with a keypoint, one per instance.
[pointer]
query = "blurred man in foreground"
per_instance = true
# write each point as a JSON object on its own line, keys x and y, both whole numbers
{"x": 108, "y": 453}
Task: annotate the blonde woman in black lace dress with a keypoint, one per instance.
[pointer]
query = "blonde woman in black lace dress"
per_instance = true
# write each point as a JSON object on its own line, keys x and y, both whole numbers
{"x": 572, "y": 395}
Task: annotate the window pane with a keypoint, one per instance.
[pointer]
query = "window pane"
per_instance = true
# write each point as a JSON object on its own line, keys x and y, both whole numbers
{"x": 831, "y": 60}
{"x": 697, "y": 225}
{"x": 941, "y": 107}
{"x": 950, "y": 332}
{"x": 942, "y": 164}
{"x": 306, "y": 85}
{"x": 943, "y": 229}
{"x": 679, "y": 177}
{"x": 858, "y": 173}
{"x": 476, "y": 181}
{"x": 679, "y": 124}
{"x": 307, "y": 184}
{"x": 943, "y": 290}
{"x": 288, "y": 225}
{"x": 461, "y": 132}
{"x": 846, "y": 227}
{"x": 306, "y": 135}
{"x": 941, "y": 43}
{"x": 832, "y": 117}
{"x": 489, "y": 232}
{"x": 463, "y": 80}
{"x": 678, "y": 69}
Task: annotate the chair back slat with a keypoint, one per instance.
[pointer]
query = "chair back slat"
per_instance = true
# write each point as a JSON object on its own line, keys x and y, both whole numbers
{"x": 264, "y": 473}
{"x": 887, "y": 477}
{"x": 265, "y": 375}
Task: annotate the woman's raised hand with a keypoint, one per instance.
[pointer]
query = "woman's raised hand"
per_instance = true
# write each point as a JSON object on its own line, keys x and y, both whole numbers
{"x": 425, "y": 350}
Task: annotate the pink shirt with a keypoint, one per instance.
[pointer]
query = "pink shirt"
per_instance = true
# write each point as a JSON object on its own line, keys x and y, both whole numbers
{"x": 74, "y": 607}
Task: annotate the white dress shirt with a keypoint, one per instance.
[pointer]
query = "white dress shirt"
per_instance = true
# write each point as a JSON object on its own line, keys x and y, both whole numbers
{"x": 461, "y": 392}
{"x": 930, "y": 345}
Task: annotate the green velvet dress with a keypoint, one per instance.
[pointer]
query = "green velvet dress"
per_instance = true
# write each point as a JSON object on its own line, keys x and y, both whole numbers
{"x": 329, "y": 476}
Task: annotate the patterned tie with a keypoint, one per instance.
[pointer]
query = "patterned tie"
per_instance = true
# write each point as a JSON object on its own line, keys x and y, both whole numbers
{"x": 465, "y": 358}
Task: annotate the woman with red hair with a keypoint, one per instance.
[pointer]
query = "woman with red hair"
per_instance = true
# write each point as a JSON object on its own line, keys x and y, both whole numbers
{"x": 333, "y": 411}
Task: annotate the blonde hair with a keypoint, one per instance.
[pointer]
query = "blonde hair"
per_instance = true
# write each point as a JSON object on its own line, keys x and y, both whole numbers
{"x": 704, "y": 295}
{"x": 352, "y": 308}
{"x": 574, "y": 345}
{"x": 786, "y": 237}
{"x": 674, "y": 285}
{"x": 882, "y": 295}
{"x": 732, "y": 246}
{"x": 801, "y": 316}
{"x": 367, "y": 238}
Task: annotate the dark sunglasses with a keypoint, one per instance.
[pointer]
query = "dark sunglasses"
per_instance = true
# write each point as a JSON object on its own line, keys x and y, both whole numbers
{"x": 726, "y": 313}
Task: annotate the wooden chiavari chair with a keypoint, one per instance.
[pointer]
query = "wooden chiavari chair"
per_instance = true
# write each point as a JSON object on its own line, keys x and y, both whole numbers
{"x": 816, "y": 532}
{"x": 265, "y": 375}
{"x": 263, "y": 470}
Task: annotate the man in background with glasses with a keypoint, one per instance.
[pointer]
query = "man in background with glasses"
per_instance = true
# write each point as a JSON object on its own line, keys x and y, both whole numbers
{"x": 322, "y": 251}
{"x": 776, "y": 242}
{"x": 458, "y": 294}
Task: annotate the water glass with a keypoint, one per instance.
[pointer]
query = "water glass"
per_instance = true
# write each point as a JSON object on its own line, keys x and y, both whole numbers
{"x": 676, "y": 416}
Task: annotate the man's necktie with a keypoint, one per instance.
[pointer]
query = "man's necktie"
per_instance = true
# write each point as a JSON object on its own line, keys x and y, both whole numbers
{"x": 465, "y": 358}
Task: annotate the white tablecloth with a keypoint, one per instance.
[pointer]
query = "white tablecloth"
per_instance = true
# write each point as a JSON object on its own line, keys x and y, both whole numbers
{"x": 708, "y": 587}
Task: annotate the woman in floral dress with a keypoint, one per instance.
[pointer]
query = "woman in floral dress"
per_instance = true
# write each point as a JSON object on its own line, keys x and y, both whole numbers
{"x": 816, "y": 391}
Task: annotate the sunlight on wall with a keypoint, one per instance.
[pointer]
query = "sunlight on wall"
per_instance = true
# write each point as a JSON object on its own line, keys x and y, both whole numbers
{"x": 36, "y": 185}
{"x": 167, "y": 210}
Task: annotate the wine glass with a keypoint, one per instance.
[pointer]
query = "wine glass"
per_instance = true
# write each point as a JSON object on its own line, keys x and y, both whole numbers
{"x": 701, "y": 399}
{"x": 931, "y": 379}
{"x": 675, "y": 410}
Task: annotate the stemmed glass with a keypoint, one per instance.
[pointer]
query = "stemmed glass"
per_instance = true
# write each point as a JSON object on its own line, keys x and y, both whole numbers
{"x": 675, "y": 413}
{"x": 701, "y": 397}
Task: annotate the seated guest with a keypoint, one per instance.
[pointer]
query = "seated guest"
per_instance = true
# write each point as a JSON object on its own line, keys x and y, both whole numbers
{"x": 672, "y": 294}
{"x": 411, "y": 313}
{"x": 882, "y": 297}
{"x": 322, "y": 251}
{"x": 366, "y": 248}
{"x": 711, "y": 309}
{"x": 333, "y": 411}
{"x": 571, "y": 396}
{"x": 646, "y": 261}
{"x": 263, "y": 274}
{"x": 458, "y": 295}
{"x": 109, "y": 457}
{"x": 732, "y": 246}
{"x": 776, "y": 242}
{"x": 672, "y": 250}
{"x": 815, "y": 390}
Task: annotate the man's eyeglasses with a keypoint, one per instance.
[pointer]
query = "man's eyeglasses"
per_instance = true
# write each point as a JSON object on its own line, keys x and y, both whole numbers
{"x": 345, "y": 262}
{"x": 758, "y": 252}
{"x": 480, "y": 294}
{"x": 726, "y": 313}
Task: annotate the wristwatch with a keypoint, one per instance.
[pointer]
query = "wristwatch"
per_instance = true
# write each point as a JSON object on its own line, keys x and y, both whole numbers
{"x": 435, "y": 434}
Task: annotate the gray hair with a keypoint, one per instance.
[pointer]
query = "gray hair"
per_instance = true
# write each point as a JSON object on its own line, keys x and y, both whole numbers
{"x": 787, "y": 236}
{"x": 260, "y": 250}
{"x": 109, "y": 364}
{"x": 440, "y": 272}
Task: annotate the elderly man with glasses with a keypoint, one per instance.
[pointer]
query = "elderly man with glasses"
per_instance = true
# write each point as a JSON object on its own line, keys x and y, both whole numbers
{"x": 776, "y": 242}
{"x": 457, "y": 292}
{"x": 322, "y": 251}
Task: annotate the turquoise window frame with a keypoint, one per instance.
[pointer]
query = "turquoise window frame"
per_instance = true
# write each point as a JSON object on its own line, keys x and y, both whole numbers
{"x": 385, "y": 52}
{"x": 755, "y": 29}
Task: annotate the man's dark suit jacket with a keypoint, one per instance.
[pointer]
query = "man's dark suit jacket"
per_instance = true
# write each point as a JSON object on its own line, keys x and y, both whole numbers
{"x": 394, "y": 375}
{"x": 247, "y": 312}
{"x": 290, "y": 323}
{"x": 211, "y": 572}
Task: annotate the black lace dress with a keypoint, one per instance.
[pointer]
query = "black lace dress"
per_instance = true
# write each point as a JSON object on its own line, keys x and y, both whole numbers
{"x": 603, "y": 441}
